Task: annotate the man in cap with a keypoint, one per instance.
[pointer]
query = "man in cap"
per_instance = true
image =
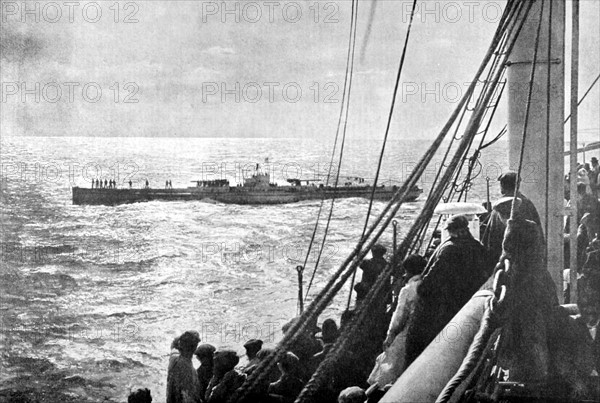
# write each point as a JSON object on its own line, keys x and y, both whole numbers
{"x": 304, "y": 346}
{"x": 226, "y": 379}
{"x": 289, "y": 385}
{"x": 182, "y": 380}
{"x": 252, "y": 347}
{"x": 204, "y": 353}
{"x": 501, "y": 209}
{"x": 493, "y": 236}
{"x": 508, "y": 185}
{"x": 378, "y": 318}
{"x": 371, "y": 269}
{"x": 453, "y": 274}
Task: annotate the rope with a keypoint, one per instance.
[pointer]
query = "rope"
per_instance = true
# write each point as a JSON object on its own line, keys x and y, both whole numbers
{"x": 495, "y": 139}
{"x": 477, "y": 347}
{"x": 385, "y": 137}
{"x": 585, "y": 95}
{"x": 437, "y": 175}
{"x": 363, "y": 50}
{"x": 504, "y": 129}
{"x": 343, "y": 140}
{"x": 345, "y": 101}
{"x": 475, "y": 158}
{"x": 466, "y": 184}
{"x": 497, "y": 305}
{"x": 350, "y": 330}
{"x": 332, "y": 287}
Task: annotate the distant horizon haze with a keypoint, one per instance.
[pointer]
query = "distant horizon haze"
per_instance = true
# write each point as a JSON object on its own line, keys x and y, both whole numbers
{"x": 239, "y": 69}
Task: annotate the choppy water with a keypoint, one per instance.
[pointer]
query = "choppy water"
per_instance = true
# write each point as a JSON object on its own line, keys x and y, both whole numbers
{"x": 91, "y": 296}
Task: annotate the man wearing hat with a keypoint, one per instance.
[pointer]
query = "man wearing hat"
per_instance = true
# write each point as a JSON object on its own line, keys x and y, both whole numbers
{"x": 289, "y": 385}
{"x": 371, "y": 269}
{"x": 453, "y": 274}
{"x": 204, "y": 353}
{"x": 182, "y": 380}
{"x": 496, "y": 224}
{"x": 493, "y": 236}
{"x": 508, "y": 185}
{"x": 252, "y": 347}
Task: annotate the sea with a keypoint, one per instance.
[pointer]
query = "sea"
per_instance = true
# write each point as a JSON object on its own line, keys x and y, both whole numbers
{"x": 92, "y": 296}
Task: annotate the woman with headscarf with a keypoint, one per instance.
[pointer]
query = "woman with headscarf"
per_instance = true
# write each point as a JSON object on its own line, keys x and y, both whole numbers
{"x": 182, "y": 380}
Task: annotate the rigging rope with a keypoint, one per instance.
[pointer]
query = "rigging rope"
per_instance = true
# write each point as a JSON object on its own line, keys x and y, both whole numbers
{"x": 363, "y": 50}
{"x": 505, "y": 128}
{"x": 474, "y": 159}
{"x": 375, "y": 292}
{"x": 497, "y": 304}
{"x": 345, "y": 104}
{"x": 585, "y": 95}
{"x": 341, "y": 275}
{"x": 337, "y": 178}
{"x": 452, "y": 188}
{"x": 385, "y": 137}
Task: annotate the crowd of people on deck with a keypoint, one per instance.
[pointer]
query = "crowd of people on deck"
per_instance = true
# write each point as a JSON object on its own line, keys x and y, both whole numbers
{"x": 423, "y": 295}
{"x": 217, "y": 183}
{"x": 588, "y": 227}
{"x": 221, "y": 371}
{"x": 104, "y": 184}
{"x": 112, "y": 184}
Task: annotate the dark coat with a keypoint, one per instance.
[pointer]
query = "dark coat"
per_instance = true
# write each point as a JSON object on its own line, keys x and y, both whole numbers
{"x": 220, "y": 390}
{"x": 182, "y": 380}
{"x": 288, "y": 387}
{"x": 527, "y": 210}
{"x": 593, "y": 344}
{"x": 494, "y": 233}
{"x": 205, "y": 373}
{"x": 454, "y": 273}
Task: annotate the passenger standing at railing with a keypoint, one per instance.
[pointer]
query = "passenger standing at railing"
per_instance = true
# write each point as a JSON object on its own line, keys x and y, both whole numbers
{"x": 182, "y": 379}
{"x": 391, "y": 363}
{"x": 456, "y": 270}
{"x": 204, "y": 353}
{"x": 508, "y": 185}
{"x": 371, "y": 269}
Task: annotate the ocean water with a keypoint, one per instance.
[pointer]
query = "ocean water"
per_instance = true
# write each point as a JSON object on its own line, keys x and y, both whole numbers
{"x": 91, "y": 296}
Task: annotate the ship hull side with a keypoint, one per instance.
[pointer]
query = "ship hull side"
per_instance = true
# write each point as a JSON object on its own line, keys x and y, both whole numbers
{"x": 111, "y": 197}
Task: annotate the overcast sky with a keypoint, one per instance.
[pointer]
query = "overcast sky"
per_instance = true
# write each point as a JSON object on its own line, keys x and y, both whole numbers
{"x": 282, "y": 63}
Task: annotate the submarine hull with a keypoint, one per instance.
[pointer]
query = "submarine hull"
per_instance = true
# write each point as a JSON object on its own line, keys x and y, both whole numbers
{"x": 237, "y": 195}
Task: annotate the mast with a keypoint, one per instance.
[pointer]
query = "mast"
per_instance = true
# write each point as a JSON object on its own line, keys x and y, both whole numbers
{"x": 541, "y": 176}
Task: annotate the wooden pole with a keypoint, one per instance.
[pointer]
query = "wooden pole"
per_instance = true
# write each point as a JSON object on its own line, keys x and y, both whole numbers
{"x": 300, "y": 271}
{"x": 573, "y": 148}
